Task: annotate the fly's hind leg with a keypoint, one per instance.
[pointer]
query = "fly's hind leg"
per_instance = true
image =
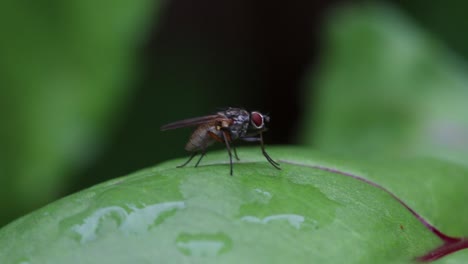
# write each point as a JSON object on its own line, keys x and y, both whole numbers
{"x": 201, "y": 157}
{"x": 191, "y": 157}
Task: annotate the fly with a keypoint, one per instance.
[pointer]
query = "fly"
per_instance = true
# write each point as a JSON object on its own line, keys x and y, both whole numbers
{"x": 224, "y": 127}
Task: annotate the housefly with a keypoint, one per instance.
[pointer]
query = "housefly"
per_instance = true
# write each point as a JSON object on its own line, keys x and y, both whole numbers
{"x": 224, "y": 127}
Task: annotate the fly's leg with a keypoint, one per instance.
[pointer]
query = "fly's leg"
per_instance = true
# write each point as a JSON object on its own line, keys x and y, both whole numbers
{"x": 272, "y": 162}
{"x": 227, "y": 134}
{"x": 235, "y": 152}
{"x": 201, "y": 157}
{"x": 187, "y": 162}
{"x": 226, "y": 137}
{"x": 260, "y": 139}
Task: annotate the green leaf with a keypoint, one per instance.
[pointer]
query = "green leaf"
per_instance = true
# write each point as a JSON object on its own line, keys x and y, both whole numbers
{"x": 385, "y": 86}
{"x": 301, "y": 213}
{"x": 64, "y": 75}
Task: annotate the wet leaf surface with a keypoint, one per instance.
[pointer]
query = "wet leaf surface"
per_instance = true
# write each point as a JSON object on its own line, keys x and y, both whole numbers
{"x": 202, "y": 215}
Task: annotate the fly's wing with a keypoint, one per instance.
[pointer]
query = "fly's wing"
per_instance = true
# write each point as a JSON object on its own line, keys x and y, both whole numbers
{"x": 191, "y": 122}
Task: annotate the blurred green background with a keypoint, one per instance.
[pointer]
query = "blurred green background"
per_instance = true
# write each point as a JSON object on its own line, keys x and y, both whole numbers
{"x": 85, "y": 85}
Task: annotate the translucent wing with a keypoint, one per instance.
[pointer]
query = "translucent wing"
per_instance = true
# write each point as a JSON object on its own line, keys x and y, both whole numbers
{"x": 192, "y": 122}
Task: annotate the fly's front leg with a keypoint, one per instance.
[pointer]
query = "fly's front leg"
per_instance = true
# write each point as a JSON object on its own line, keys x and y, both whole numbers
{"x": 272, "y": 162}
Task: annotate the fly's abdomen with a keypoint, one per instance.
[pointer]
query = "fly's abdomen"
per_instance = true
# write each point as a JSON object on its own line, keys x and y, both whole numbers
{"x": 200, "y": 138}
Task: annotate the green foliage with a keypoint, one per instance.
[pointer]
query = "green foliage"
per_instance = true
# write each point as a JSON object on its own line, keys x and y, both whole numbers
{"x": 387, "y": 87}
{"x": 259, "y": 215}
{"x": 64, "y": 75}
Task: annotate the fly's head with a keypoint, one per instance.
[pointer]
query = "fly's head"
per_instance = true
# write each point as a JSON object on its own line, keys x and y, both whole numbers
{"x": 258, "y": 121}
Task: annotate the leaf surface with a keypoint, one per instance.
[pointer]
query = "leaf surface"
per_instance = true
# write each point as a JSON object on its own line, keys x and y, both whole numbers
{"x": 202, "y": 215}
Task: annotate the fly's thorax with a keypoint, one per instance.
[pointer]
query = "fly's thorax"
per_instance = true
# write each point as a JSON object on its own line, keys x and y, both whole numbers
{"x": 240, "y": 121}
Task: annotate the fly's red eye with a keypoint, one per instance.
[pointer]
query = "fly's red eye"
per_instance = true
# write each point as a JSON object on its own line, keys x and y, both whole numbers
{"x": 257, "y": 119}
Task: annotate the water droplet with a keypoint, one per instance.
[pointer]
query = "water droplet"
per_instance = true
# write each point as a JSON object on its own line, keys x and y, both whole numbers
{"x": 293, "y": 219}
{"x": 262, "y": 192}
{"x": 88, "y": 229}
{"x": 203, "y": 245}
{"x": 138, "y": 220}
